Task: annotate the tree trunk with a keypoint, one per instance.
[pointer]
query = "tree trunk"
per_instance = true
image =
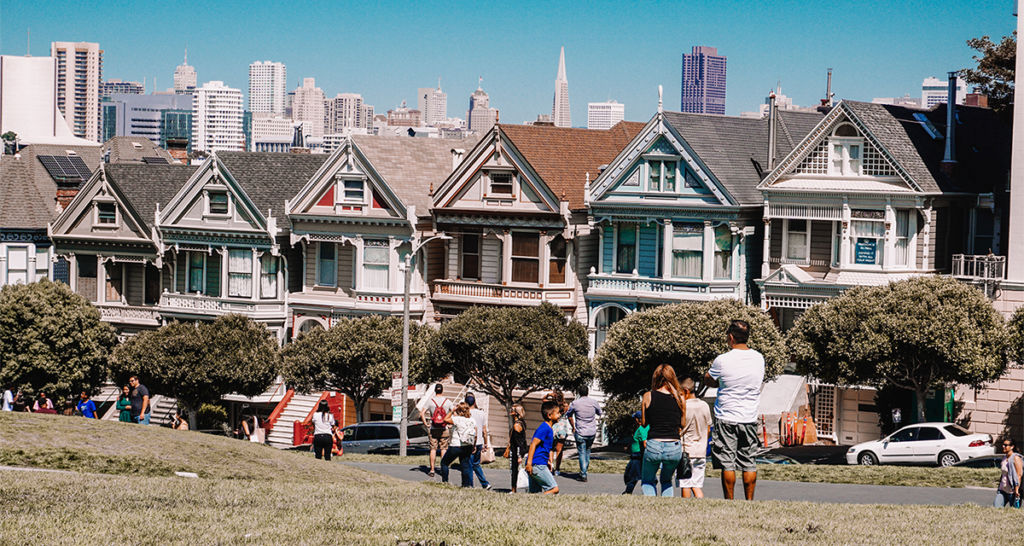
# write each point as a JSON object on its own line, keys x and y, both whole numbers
{"x": 193, "y": 416}
{"x": 359, "y": 402}
{"x": 511, "y": 420}
{"x": 922, "y": 393}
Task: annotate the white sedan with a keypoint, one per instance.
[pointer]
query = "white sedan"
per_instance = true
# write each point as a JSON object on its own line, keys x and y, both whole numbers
{"x": 923, "y": 443}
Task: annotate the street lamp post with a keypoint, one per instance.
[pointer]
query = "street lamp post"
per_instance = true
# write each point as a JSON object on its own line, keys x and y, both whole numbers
{"x": 404, "y": 428}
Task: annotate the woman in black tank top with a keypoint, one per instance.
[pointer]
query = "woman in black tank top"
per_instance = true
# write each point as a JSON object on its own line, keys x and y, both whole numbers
{"x": 665, "y": 411}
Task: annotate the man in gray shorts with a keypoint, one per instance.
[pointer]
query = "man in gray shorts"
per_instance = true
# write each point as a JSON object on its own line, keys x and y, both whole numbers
{"x": 738, "y": 375}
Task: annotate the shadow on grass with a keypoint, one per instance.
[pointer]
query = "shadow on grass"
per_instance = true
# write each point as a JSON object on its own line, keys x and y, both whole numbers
{"x": 68, "y": 459}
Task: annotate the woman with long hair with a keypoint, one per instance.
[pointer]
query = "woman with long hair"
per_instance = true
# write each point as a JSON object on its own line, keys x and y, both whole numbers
{"x": 124, "y": 405}
{"x": 1012, "y": 468}
{"x": 323, "y": 431}
{"x": 562, "y": 429}
{"x": 664, "y": 410}
{"x": 517, "y": 446}
{"x": 461, "y": 444}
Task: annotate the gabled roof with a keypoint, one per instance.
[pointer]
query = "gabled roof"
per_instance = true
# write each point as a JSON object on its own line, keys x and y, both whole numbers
{"x": 123, "y": 149}
{"x": 146, "y": 185}
{"x": 562, "y": 157}
{"x": 271, "y": 178}
{"x": 410, "y": 166}
{"x": 27, "y": 191}
{"x": 730, "y": 145}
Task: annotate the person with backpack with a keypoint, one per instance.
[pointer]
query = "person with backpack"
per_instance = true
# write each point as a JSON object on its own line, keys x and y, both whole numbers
{"x": 433, "y": 415}
{"x": 324, "y": 427}
{"x": 463, "y": 443}
{"x": 1009, "y": 482}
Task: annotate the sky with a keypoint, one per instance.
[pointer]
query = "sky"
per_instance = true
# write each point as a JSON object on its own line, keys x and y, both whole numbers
{"x": 613, "y": 50}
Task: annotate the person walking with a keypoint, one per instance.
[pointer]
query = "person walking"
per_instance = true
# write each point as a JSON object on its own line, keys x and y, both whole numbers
{"x": 124, "y": 405}
{"x": 738, "y": 375}
{"x": 461, "y": 444}
{"x": 434, "y": 416}
{"x": 664, "y": 410}
{"x": 480, "y": 418}
{"x": 695, "y": 440}
{"x": 1012, "y": 468}
{"x": 561, "y": 429}
{"x": 517, "y": 446}
{"x": 636, "y": 454}
{"x": 86, "y": 406}
{"x": 584, "y": 412}
{"x": 10, "y": 398}
{"x": 541, "y": 480}
{"x": 323, "y": 431}
{"x": 140, "y": 401}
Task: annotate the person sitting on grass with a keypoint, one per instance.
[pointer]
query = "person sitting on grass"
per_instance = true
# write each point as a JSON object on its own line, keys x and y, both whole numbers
{"x": 179, "y": 422}
{"x": 541, "y": 480}
{"x": 44, "y": 402}
{"x": 636, "y": 455}
{"x": 461, "y": 444}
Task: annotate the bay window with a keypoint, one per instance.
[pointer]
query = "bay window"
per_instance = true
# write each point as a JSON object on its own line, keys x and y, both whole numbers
{"x": 688, "y": 251}
{"x": 240, "y": 273}
{"x": 326, "y": 274}
{"x": 268, "y": 277}
{"x": 625, "y": 253}
{"x": 525, "y": 257}
{"x": 868, "y": 237}
{"x": 115, "y": 278}
{"x": 556, "y": 263}
{"x": 797, "y": 235}
{"x": 376, "y": 254}
{"x": 723, "y": 252}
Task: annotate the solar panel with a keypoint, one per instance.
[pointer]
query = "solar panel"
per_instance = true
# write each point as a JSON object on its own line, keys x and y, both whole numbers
{"x": 80, "y": 167}
{"x": 64, "y": 167}
{"x": 155, "y": 160}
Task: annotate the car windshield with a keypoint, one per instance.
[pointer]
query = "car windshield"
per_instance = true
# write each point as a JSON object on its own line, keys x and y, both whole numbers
{"x": 955, "y": 430}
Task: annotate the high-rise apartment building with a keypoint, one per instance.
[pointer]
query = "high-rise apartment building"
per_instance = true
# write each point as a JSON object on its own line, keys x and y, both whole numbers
{"x": 79, "y": 72}
{"x": 481, "y": 116}
{"x": 604, "y": 115}
{"x": 113, "y": 86}
{"x": 217, "y": 118}
{"x": 935, "y": 91}
{"x": 308, "y": 108}
{"x": 267, "y": 87}
{"x": 434, "y": 104}
{"x": 368, "y": 116}
{"x": 703, "y": 81}
{"x": 185, "y": 78}
{"x": 560, "y": 109}
{"x": 345, "y": 112}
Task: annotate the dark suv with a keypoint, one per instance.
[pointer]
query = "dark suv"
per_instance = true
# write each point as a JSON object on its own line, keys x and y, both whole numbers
{"x": 382, "y": 437}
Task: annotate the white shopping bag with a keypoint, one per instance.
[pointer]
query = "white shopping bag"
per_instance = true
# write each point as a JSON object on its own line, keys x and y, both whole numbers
{"x": 523, "y": 480}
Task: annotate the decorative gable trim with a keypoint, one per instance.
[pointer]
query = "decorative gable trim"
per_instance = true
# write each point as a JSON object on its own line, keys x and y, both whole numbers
{"x": 99, "y": 189}
{"x": 212, "y": 171}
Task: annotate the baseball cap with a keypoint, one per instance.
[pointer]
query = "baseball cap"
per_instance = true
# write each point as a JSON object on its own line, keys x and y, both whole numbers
{"x": 470, "y": 400}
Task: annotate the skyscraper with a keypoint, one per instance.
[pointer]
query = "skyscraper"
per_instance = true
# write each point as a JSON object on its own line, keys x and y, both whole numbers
{"x": 560, "y": 109}
{"x": 703, "y": 82}
{"x": 185, "y": 78}
{"x": 308, "y": 108}
{"x": 267, "y": 87}
{"x": 604, "y": 115}
{"x": 434, "y": 104}
{"x": 217, "y": 118}
{"x": 481, "y": 116}
{"x": 345, "y": 112}
{"x": 79, "y": 72}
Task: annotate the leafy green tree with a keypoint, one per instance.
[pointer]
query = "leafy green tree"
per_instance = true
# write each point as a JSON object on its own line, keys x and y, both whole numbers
{"x": 10, "y": 139}
{"x": 355, "y": 357}
{"x": 52, "y": 340}
{"x": 197, "y": 363}
{"x": 1016, "y": 329}
{"x": 510, "y": 352}
{"x": 915, "y": 334}
{"x": 994, "y": 75}
{"x": 687, "y": 336}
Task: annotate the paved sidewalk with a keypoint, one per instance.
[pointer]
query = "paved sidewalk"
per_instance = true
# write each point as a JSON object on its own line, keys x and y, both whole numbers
{"x": 611, "y": 484}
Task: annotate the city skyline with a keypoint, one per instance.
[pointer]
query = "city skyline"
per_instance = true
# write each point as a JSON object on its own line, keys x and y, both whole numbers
{"x": 517, "y": 75}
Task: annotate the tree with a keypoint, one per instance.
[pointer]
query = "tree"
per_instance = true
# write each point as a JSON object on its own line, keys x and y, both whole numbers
{"x": 510, "y": 352}
{"x": 10, "y": 139}
{"x": 355, "y": 357}
{"x": 915, "y": 334}
{"x": 995, "y": 73}
{"x": 51, "y": 339}
{"x": 198, "y": 363}
{"x": 1016, "y": 340}
{"x": 688, "y": 336}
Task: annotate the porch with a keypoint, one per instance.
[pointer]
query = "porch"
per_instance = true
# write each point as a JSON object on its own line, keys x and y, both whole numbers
{"x": 472, "y": 292}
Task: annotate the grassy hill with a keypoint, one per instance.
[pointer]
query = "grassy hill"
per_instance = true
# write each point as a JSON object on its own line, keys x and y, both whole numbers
{"x": 123, "y": 491}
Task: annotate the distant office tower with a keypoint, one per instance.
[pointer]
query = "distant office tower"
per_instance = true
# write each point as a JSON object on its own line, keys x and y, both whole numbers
{"x": 146, "y": 116}
{"x": 79, "y": 72}
{"x": 481, "y": 116}
{"x": 344, "y": 112}
{"x": 368, "y": 116}
{"x": 434, "y": 104}
{"x": 703, "y": 81}
{"x": 308, "y": 108}
{"x": 604, "y": 115}
{"x": 112, "y": 86}
{"x": 184, "y": 78}
{"x": 935, "y": 91}
{"x": 217, "y": 118}
{"x": 405, "y": 117}
{"x": 271, "y": 133}
{"x": 267, "y": 87}
{"x": 560, "y": 109}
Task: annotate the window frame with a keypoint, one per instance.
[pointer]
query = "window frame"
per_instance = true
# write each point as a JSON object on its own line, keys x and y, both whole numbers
{"x": 45, "y": 267}
{"x": 319, "y": 267}
{"x": 367, "y": 266}
{"x": 96, "y": 217}
{"x": 668, "y": 168}
{"x": 511, "y": 194}
{"x": 563, "y": 260}
{"x": 615, "y": 257}
{"x": 108, "y": 282}
{"x": 270, "y": 258}
{"x": 879, "y": 245}
{"x": 342, "y": 198}
{"x": 479, "y": 256}
{"x": 785, "y": 259}
{"x": 682, "y": 227}
{"x": 247, "y": 274}
{"x": 7, "y": 268}
{"x": 521, "y": 258}
{"x": 188, "y": 272}
{"x": 841, "y": 152}
{"x": 208, "y": 202}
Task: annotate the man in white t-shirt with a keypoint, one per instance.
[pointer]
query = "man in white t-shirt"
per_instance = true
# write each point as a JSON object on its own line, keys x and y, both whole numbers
{"x": 9, "y": 397}
{"x": 738, "y": 375}
{"x": 695, "y": 440}
{"x": 433, "y": 413}
{"x": 481, "y": 439}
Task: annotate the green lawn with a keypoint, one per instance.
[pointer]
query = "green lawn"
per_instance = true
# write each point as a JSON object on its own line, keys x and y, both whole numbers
{"x": 252, "y": 494}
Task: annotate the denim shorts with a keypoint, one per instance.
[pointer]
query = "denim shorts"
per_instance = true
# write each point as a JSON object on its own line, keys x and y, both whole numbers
{"x": 541, "y": 479}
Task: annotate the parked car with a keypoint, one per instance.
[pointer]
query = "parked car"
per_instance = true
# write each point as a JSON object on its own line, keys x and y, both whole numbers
{"x": 985, "y": 461}
{"x": 382, "y": 437}
{"x": 943, "y": 444}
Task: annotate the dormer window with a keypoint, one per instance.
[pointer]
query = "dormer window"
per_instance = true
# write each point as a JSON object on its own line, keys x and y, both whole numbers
{"x": 846, "y": 150}
{"x": 501, "y": 184}
{"x": 218, "y": 202}
{"x": 106, "y": 214}
{"x": 662, "y": 175}
{"x": 353, "y": 191}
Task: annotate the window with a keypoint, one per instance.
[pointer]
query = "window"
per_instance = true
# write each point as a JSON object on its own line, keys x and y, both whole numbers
{"x": 353, "y": 191}
{"x": 796, "y": 240}
{"x": 723, "y": 252}
{"x": 196, "y": 271}
{"x": 152, "y": 284}
{"x": 905, "y": 435}
{"x": 902, "y": 249}
{"x": 17, "y": 264}
{"x": 326, "y": 275}
{"x": 556, "y": 264}
{"x": 470, "y": 257}
{"x": 930, "y": 433}
{"x": 868, "y": 241}
{"x": 501, "y": 183}
{"x": 625, "y": 253}
{"x": 662, "y": 175}
{"x": 688, "y": 251}
{"x": 115, "y": 279}
{"x": 268, "y": 277}
{"x": 106, "y": 214}
{"x": 956, "y": 430}
{"x": 42, "y": 263}
{"x": 984, "y": 229}
{"x": 525, "y": 257}
{"x": 240, "y": 273}
{"x": 218, "y": 202}
{"x": 376, "y": 254}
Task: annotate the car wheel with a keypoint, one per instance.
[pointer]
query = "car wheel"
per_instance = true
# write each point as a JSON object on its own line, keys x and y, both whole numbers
{"x": 948, "y": 458}
{"x": 867, "y": 459}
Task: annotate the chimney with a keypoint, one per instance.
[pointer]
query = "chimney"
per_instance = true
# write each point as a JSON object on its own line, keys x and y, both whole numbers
{"x": 828, "y": 89}
{"x": 949, "y": 159}
{"x": 772, "y": 115}
{"x": 457, "y": 154}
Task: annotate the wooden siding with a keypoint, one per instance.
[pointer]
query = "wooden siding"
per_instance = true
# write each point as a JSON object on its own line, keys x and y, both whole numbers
{"x": 310, "y": 257}
{"x": 213, "y": 268}
{"x": 648, "y": 239}
{"x": 821, "y": 246}
{"x": 346, "y": 261}
{"x": 586, "y": 250}
{"x": 435, "y": 260}
{"x": 453, "y": 258}
{"x": 490, "y": 268}
{"x": 135, "y": 283}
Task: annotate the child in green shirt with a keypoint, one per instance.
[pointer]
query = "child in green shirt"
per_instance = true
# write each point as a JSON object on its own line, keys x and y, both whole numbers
{"x": 636, "y": 455}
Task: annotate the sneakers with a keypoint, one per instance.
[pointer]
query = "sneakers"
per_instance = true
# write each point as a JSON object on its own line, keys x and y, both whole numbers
{"x": 557, "y": 473}
{"x": 583, "y": 479}
{"x": 487, "y": 487}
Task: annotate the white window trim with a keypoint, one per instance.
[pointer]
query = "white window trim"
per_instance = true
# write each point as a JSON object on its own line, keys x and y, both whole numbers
{"x": 206, "y": 202}
{"x": 334, "y": 278}
{"x": 96, "y": 212}
{"x": 852, "y": 265}
{"x": 512, "y": 257}
{"x": 615, "y": 249}
{"x": 7, "y": 263}
{"x": 490, "y": 194}
{"x": 911, "y": 240}
{"x": 784, "y": 258}
{"x": 188, "y": 270}
{"x": 339, "y": 197}
{"x": 479, "y": 256}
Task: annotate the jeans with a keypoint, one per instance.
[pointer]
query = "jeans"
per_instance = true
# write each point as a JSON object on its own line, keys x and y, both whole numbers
{"x": 632, "y": 474}
{"x": 477, "y": 469}
{"x": 465, "y": 464}
{"x": 541, "y": 479}
{"x": 665, "y": 455}
{"x": 583, "y": 445}
{"x": 142, "y": 419}
{"x": 1003, "y": 500}
{"x": 322, "y": 444}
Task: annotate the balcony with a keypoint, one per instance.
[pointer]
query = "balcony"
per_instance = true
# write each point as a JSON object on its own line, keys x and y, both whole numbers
{"x": 200, "y": 305}
{"x": 328, "y": 300}
{"x": 636, "y": 288}
{"x": 123, "y": 314}
{"x": 498, "y": 294}
{"x": 985, "y": 271}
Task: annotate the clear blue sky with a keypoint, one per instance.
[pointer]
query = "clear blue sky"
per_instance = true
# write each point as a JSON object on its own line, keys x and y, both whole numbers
{"x": 613, "y": 50}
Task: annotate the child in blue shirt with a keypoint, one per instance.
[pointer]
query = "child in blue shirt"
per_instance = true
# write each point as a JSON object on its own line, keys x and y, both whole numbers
{"x": 541, "y": 479}
{"x": 636, "y": 455}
